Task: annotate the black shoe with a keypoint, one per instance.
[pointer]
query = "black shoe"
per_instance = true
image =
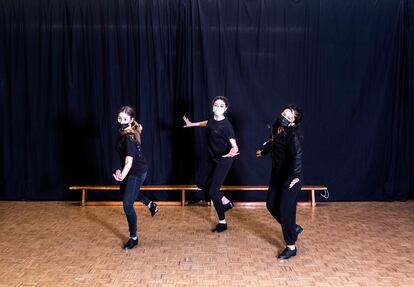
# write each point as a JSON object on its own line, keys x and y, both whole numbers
{"x": 220, "y": 227}
{"x": 299, "y": 229}
{"x": 131, "y": 244}
{"x": 153, "y": 209}
{"x": 228, "y": 206}
{"x": 286, "y": 254}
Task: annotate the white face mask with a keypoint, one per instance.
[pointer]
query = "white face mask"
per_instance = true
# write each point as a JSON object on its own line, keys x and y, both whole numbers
{"x": 218, "y": 111}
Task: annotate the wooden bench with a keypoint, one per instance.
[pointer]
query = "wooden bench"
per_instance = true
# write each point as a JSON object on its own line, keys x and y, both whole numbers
{"x": 311, "y": 189}
{"x": 182, "y": 188}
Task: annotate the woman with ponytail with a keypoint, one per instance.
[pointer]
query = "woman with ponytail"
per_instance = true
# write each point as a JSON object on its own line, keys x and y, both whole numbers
{"x": 134, "y": 170}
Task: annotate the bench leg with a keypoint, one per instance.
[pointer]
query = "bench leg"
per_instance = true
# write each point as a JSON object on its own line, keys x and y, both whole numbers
{"x": 313, "y": 203}
{"x": 83, "y": 197}
{"x": 183, "y": 198}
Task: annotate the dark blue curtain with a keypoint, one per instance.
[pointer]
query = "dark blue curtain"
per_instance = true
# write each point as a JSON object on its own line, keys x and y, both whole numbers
{"x": 67, "y": 66}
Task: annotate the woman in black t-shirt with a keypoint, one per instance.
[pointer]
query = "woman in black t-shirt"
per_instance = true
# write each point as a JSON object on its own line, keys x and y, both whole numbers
{"x": 222, "y": 147}
{"x": 285, "y": 147}
{"x": 134, "y": 170}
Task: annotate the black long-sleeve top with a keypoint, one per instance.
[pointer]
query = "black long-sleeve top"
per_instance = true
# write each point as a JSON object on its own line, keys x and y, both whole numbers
{"x": 286, "y": 152}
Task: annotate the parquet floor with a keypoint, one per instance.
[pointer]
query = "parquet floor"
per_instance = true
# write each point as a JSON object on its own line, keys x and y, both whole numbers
{"x": 344, "y": 244}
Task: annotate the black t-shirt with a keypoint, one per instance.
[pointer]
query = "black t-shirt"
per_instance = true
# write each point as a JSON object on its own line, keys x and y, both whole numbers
{"x": 219, "y": 134}
{"x": 127, "y": 146}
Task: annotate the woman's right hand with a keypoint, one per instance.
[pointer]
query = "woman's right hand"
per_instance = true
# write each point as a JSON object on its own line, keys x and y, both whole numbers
{"x": 259, "y": 153}
{"x": 188, "y": 123}
{"x": 117, "y": 175}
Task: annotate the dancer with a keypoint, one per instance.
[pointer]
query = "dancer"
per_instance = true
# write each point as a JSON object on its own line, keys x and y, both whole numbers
{"x": 222, "y": 147}
{"x": 285, "y": 146}
{"x": 134, "y": 170}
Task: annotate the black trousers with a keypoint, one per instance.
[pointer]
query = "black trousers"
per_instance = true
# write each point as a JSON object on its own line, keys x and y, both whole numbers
{"x": 130, "y": 190}
{"x": 281, "y": 203}
{"x": 214, "y": 174}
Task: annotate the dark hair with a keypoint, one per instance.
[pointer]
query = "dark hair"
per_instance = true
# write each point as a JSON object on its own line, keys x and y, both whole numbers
{"x": 135, "y": 133}
{"x": 297, "y": 112}
{"x": 224, "y": 99}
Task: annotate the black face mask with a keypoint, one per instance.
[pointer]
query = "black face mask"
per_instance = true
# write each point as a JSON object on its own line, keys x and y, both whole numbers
{"x": 282, "y": 121}
{"x": 123, "y": 126}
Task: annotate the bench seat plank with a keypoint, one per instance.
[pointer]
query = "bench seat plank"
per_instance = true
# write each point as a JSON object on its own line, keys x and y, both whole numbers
{"x": 310, "y": 188}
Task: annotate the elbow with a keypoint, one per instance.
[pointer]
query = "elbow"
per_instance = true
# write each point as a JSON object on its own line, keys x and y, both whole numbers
{"x": 297, "y": 171}
{"x": 128, "y": 162}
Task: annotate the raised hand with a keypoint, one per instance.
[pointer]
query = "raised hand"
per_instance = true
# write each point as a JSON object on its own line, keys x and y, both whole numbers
{"x": 188, "y": 123}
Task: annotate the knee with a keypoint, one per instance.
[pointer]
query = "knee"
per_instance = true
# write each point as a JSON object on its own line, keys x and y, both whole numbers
{"x": 269, "y": 206}
{"x": 285, "y": 216}
{"x": 128, "y": 204}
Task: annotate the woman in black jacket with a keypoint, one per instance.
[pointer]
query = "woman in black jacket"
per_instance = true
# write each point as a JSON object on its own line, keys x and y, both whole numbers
{"x": 285, "y": 147}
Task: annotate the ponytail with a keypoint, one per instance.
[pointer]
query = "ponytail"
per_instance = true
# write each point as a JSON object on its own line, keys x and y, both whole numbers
{"x": 134, "y": 132}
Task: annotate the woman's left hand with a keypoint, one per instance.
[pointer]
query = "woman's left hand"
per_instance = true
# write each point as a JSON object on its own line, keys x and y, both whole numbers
{"x": 232, "y": 153}
{"x": 293, "y": 182}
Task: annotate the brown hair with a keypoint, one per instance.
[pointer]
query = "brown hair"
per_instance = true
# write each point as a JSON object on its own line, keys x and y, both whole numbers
{"x": 136, "y": 129}
{"x": 224, "y": 99}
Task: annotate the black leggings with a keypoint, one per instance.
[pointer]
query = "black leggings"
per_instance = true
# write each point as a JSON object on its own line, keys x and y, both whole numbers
{"x": 281, "y": 203}
{"x": 215, "y": 175}
{"x": 130, "y": 190}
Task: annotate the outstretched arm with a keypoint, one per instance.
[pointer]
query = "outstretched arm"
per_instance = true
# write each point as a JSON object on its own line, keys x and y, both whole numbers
{"x": 267, "y": 148}
{"x": 189, "y": 124}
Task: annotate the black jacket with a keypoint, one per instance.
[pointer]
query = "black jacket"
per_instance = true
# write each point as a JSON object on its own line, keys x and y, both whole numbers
{"x": 286, "y": 152}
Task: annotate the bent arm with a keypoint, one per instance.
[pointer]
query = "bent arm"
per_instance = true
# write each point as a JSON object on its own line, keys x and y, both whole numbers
{"x": 127, "y": 166}
{"x": 234, "y": 147}
{"x": 295, "y": 148}
{"x": 267, "y": 147}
